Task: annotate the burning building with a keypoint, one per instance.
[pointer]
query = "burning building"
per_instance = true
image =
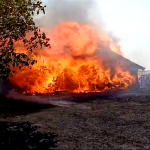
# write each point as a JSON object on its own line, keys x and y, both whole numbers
{"x": 81, "y": 59}
{"x": 125, "y": 64}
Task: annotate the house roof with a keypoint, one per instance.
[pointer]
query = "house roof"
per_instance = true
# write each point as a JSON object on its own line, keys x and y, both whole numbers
{"x": 115, "y": 58}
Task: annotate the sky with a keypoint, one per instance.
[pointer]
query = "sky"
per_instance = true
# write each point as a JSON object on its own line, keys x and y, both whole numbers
{"x": 129, "y": 20}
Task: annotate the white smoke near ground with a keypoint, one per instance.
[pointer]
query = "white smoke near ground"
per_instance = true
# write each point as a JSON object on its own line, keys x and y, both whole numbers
{"x": 48, "y": 100}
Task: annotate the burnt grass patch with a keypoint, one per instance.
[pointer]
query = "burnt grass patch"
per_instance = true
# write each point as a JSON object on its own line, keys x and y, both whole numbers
{"x": 106, "y": 122}
{"x": 24, "y": 136}
{"x": 10, "y": 107}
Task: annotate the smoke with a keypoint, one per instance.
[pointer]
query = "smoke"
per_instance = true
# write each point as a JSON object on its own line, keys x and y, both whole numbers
{"x": 41, "y": 100}
{"x": 81, "y": 11}
{"x": 115, "y": 39}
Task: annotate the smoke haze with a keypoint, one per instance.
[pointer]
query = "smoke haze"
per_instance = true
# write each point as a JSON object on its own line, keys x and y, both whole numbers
{"x": 81, "y": 11}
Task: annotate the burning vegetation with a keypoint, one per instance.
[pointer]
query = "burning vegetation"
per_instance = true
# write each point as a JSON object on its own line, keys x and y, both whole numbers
{"x": 74, "y": 62}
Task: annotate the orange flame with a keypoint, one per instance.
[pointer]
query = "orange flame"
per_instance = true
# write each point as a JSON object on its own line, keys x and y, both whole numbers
{"x": 70, "y": 65}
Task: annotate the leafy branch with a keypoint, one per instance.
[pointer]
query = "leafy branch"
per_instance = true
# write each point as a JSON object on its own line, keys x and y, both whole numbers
{"x": 16, "y": 22}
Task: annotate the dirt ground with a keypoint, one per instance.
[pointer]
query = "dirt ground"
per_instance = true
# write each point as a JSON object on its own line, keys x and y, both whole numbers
{"x": 114, "y": 123}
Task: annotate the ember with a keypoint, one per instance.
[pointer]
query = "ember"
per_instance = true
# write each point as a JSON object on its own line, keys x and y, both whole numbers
{"x": 73, "y": 63}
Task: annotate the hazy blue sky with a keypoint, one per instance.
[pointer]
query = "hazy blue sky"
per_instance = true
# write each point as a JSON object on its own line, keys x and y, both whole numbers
{"x": 129, "y": 20}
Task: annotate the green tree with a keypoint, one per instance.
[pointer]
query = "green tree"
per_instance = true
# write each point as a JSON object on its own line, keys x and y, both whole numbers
{"x": 16, "y": 20}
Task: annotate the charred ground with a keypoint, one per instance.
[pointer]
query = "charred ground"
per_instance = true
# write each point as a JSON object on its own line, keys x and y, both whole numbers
{"x": 111, "y": 121}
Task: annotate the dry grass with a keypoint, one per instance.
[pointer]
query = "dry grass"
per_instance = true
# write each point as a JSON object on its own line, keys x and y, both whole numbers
{"x": 100, "y": 124}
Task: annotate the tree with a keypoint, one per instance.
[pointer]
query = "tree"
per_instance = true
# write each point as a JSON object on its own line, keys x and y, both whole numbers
{"x": 16, "y": 21}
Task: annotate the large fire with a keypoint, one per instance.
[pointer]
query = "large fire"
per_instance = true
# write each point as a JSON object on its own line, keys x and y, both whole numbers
{"x": 71, "y": 64}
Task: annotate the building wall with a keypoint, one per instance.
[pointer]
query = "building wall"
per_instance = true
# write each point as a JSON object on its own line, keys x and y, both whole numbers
{"x": 136, "y": 85}
{"x": 144, "y": 79}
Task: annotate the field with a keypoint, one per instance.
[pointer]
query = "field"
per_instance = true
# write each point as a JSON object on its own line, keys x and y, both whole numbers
{"x": 94, "y": 122}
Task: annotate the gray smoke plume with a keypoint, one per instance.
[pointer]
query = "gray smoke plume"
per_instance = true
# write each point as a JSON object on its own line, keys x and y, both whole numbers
{"x": 81, "y": 11}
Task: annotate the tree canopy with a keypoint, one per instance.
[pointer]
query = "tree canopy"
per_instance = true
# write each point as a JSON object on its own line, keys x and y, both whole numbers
{"x": 16, "y": 20}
